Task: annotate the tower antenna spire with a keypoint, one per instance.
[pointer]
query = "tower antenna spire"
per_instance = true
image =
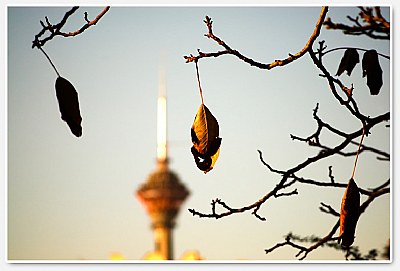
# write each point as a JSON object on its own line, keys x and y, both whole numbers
{"x": 162, "y": 155}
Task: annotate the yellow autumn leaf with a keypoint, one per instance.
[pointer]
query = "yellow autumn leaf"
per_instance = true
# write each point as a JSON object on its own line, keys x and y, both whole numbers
{"x": 214, "y": 159}
{"x": 205, "y": 138}
{"x": 206, "y": 129}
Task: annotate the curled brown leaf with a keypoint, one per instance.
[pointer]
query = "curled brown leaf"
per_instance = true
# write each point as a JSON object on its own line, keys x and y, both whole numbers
{"x": 205, "y": 139}
{"x": 349, "y": 214}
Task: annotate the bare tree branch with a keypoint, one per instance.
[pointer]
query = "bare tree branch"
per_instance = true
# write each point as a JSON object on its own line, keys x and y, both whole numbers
{"x": 375, "y": 26}
{"x": 314, "y": 139}
{"x": 330, "y": 184}
{"x": 350, "y": 104}
{"x": 325, "y": 208}
{"x": 276, "y": 63}
{"x": 290, "y": 173}
{"x": 291, "y": 176}
{"x": 317, "y": 242}
{"x": 55, "y": 30}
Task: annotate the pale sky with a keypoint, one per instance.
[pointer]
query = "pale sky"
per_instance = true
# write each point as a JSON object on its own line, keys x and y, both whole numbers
{"x": 74, "y": 198}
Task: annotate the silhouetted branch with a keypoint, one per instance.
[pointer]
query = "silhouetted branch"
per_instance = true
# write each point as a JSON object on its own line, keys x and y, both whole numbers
{"x": 373, "y": 195}
{"x": 257, "y": 215}
{"x": 352, "y": 253}
{"x": 294, "y": 192}
{"x": 229, "y": 211}
{"x": 229, "y": 50}
{"x": 304, "y": 251}
{"x": 385, "y": 155}
{"x": 317, "y": 242}
{"x": 314, "y": 140}
{"x": 381, "y": 186}
{"x": 325, "y": 208}
{"x": 286, "y": 243}
{"x": 350, "y": 104}
{"x": 289, "y": 177}
{"x": 373, "y": 26}
{"x": 290, "y": 172}
{"x": 55, "y": 30}
{"x": 326, "y": 184}
{"x": 332, "y": 178}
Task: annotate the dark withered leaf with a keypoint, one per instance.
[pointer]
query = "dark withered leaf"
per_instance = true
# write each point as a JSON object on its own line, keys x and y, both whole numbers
{"x": 372, "y": 69}
{"x": 348, "y": 61}
{"x": 369, "y": 61}
{"x": 214, "y": 146}
{"x": 69, "y": 105}
{"x": 205, "y": 138}
{"x": 349, "y": 214}
{"x": 203, "y": 162}
{"x": 193, "y": 135}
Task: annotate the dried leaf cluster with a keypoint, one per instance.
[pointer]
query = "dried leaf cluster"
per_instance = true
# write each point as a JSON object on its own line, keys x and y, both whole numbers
{"x": 373, "y": 71}
{"x": 370, "y": 68}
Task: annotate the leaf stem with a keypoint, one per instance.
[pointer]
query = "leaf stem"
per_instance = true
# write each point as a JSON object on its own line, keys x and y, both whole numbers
{"x": 344, "y": 48}
{"x": 198, "y": 80}
{"x": 358, "y": 151}
{"x": 48, "y": 58}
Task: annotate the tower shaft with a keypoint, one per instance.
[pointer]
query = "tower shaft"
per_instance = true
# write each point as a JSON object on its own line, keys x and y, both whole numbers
{"x": 163, "y": 241}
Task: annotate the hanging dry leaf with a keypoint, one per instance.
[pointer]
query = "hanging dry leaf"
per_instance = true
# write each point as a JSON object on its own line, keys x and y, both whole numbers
{"x": 69, "y": 105}
{"x": 349, "y": 213}
{"x": 205, "y": 130}
{"x": 373, "y": 71}
{"x": 205, "y": 138}
{"x": 348, "y": 61}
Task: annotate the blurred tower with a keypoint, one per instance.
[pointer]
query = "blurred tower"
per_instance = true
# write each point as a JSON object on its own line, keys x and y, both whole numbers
{"x": 162, "y": 194}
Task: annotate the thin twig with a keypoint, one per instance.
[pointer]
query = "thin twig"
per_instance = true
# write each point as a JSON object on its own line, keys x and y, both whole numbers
{"x": 87, "y": 25}
{"x": 329, "y": 237}
{"x": 289, "y": 177}
{"x": 276, "y": 63}
{"x": 55, "y": 30}
{"x": 286, "y": 175}
{"x": 375, "y": 27}
{"x": 328, "y": 209}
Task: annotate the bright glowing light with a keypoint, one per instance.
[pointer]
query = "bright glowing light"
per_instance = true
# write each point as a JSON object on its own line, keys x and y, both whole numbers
{"x": 192, "y": 255}
{"x": 162, "y": 118}
{"x": 116, "y": 256}
{"x": 162, "y": 129}
{"x": 154, "y": 255}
